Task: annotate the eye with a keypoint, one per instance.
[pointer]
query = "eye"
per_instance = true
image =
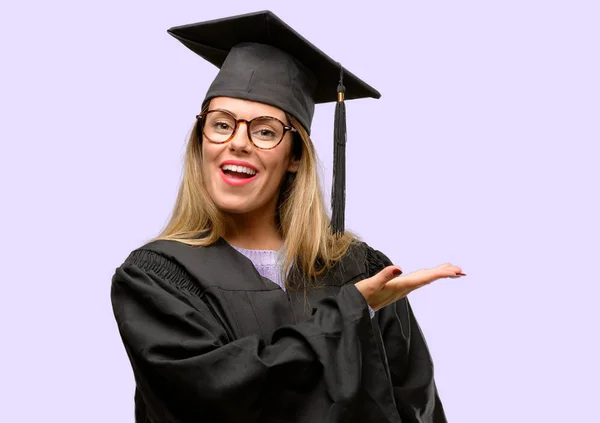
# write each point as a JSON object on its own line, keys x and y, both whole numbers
{"x": 221, "y": 126}
{"x": 266, "y": 133}
{"x": 266, "y": 129}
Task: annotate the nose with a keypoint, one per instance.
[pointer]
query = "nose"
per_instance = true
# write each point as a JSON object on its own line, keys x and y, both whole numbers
{"x": 240, "y": 141}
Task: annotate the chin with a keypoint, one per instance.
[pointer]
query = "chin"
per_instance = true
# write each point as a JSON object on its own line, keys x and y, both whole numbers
{"x": 235, "y": 207}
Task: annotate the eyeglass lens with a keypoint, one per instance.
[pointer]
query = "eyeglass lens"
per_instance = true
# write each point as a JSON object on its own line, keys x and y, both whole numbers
{"x": 264, "y": 132}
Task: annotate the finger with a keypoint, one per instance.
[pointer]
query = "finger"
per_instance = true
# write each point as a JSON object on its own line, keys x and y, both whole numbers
{"x": 387, "y": 274}
{"x": 390, "y": 272}
{"x": 413, "y": 280}
{"x": 450, "y": 273}
{"x": 375, "y": 283}
{"x": 448, "y": 268}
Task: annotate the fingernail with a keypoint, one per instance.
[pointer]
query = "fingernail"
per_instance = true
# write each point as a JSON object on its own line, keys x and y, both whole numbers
{"x": 397, "y": 272}
{"x": 462, "y": 274}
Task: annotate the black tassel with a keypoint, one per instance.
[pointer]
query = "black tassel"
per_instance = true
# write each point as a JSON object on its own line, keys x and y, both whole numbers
{"x": 338, "y": 191}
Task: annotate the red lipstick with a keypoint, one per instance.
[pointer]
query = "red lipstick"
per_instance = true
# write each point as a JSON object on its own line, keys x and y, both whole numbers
{"x": 233, "y": 180}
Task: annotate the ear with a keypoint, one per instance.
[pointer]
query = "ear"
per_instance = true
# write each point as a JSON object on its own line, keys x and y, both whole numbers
{"x": 294, "y": 164}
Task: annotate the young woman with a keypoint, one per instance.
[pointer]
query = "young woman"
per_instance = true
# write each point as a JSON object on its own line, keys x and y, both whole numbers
{"x": 249, "y": 307}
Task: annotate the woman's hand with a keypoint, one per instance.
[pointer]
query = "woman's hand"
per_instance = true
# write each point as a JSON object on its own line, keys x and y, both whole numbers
{"x": 387, "y": 286}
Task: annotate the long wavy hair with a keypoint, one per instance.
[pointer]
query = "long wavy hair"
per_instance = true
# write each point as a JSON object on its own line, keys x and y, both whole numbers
{"x": 309, "y": 245}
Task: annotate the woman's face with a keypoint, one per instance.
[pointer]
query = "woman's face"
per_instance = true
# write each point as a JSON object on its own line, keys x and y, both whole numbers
{"x": 239, "y": 192}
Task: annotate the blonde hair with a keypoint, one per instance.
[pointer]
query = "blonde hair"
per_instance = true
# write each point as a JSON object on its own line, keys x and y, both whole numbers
{"x": 309, "y": 245}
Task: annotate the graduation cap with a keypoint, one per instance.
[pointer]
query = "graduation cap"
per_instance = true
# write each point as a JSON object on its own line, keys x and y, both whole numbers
{"x": 263, "y": 59}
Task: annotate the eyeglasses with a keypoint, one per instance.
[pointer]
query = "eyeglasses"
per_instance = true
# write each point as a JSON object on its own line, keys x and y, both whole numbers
{"x": 264, "y": 132}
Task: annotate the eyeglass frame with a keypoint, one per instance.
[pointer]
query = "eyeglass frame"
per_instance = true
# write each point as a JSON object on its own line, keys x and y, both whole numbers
{"x": 200, "y": 119}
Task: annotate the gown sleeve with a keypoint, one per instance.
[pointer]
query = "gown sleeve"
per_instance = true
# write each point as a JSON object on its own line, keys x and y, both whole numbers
{"x": 409, "y": 361}
{"x": 187, "y": 371}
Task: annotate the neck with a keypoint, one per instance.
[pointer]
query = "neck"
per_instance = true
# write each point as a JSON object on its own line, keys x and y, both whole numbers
{"x": 254, "y": 231}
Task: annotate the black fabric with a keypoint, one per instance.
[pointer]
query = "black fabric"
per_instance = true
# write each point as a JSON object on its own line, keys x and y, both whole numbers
{"x": 415, "y": 391}
{"x": 211, "y": 340}
{"x": 263, "y": 73}
{"x": 261, "y": 58}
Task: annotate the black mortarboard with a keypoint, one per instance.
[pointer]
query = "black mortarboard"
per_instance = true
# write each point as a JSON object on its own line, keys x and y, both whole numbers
{"x": 263, "y": 59}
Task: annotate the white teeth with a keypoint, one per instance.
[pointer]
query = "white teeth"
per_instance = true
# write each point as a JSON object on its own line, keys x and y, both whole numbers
{"x": 239, "y": 169}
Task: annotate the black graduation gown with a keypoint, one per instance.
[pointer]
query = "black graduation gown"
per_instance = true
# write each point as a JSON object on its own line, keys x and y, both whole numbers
{"x": 210, "y": 340}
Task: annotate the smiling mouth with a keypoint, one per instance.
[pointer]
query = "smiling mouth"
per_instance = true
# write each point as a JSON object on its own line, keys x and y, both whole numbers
{"x": 236, "y": 175}
{"x": 238, "y": 172}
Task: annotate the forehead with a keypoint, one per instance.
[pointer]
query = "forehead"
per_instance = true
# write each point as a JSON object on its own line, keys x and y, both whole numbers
{"x": 246, "y": 109}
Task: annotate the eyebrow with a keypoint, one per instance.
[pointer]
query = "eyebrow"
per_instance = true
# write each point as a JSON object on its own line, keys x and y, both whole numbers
{"x": 284, "y": 119}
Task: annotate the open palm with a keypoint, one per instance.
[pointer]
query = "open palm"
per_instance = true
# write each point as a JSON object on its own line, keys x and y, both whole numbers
{"x": 385, "y": 287}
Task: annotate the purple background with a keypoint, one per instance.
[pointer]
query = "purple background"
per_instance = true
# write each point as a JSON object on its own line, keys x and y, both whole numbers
{"x": 481, "y": 152}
